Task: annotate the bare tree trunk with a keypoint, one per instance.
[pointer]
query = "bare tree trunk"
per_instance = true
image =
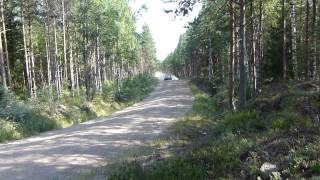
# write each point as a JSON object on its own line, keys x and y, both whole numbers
{"x": 26, "y": 54}
{"x": 64, "y": 39}
{"x": 294, "y": 58}
{"x": 307, "y": 61}
{"x": 313, "y": 41}
{"x": 210, "y": 67}
{"x": 253, "y": 49}
{"x": 87, "y": 73}
{"x": 4, "y": 32}
{"x": 98, "y": 72}
{"x": 104, "y": 72}
{"x": 56, "y": 59}
{"x": 2, "y": 65}
{"x": 284, "y": 41}
{"x": 32, "y": 65}
{"x": 232, "y": 104}
{"x": 71, "y": 67}
{"x": 242, "y": 88}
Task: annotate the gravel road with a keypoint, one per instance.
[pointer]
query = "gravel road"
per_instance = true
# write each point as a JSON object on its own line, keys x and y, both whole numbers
{"x": 62, "y": 153}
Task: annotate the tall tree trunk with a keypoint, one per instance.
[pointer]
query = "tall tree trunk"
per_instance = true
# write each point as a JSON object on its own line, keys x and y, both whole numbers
{"x": 4, "y": 32}
{"x": 284, "y": 40}
{"x": 313, "y": 41}
{"x": 71, "y": 67}
{"x": 232, "y": 104}
{"x": 32, "y": 64}
{"x": 64, "y": 39}
{"x": 307, "y": 40}
{"x": 242, "y": 88}
{"x": 98, "y": 72}
{"x": 85, "y": 50}
{"x": 56, "y": 59}
{"x": 2, "y": 66}
{"x": 253, "y": 49}
{"x": 294, "y": 58}
{"x": 26, "y": 53}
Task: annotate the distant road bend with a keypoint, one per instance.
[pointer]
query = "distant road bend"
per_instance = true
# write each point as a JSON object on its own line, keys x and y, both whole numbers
{"x": 66, "y": 152}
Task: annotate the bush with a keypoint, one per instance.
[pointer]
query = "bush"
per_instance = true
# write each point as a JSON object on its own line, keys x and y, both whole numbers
{"x": 9, "y": 131}
{"x": 136, "y": 88}
{"x": 25, "y": 116}
{"x": 247, "y": 121}
{"x": 287, "y": 120}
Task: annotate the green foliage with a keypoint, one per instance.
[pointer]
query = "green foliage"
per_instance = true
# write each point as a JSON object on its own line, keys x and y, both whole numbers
{"x": 20, "y": 119}
{"x": 177, "y": 169}
{"x": 235, "y": 145}
{"x": 287, "y": 120}
{"x": 108, "y": 90}
{"x": 9, "y": 131}
{"x": 128, "y": 170}
{"x": 28, "y": 119}
{"x": 136, "y": 88}
{"x": 245, "y": 121}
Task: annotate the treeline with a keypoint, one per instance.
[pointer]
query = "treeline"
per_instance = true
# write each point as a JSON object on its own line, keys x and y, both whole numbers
{"x": 56, "y": 45}
{"x": 242, "y": 45}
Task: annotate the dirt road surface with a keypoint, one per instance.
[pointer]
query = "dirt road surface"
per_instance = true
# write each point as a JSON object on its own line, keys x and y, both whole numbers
{"x": 66, "y": 152}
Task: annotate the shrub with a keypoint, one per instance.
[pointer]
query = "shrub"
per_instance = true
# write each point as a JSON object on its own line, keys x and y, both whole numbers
{"x": 30, "y": 120}
{"x": 9, "y": 131}
{"x": 243, "y": 121}
{"x": 287, "y": 120}
{"x": 136, "y": 88}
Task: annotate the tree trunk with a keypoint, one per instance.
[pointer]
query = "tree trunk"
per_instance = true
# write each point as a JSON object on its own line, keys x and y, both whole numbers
{"x": 313, "y": 41}
{"x": 242, "y": 88}
{"x": 4, "y": 32}
{"x": 64, "y": 39}
{"x": 294, "y": 58}
{"x": 2, "y": 66}
{"x": 232, "y": 104}
{"x": 98, "y": 72}
{"x": 85, "y": 50}
{"x": 284, "y": 41}
{"x": 307, "y": 61}
{"x": 26, "y": 54}
{"x": 71, "y": 67}
{"x": 56, "y": 59}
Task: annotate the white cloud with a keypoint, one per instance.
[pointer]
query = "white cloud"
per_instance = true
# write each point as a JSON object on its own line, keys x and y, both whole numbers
{"x": 165, "y": 29}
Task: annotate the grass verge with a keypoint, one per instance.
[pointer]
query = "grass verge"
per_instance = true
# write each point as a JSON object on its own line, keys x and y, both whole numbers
{"x": 277, "y": 137}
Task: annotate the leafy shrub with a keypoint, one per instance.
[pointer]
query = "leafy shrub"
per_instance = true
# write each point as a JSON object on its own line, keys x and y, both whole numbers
{"x": 23, "y": 115}
{"x": 30, "y": 120}
{"x": 138, "y": 87}
{"x": 280, "y": 123}
{"x": 287, "y": 120}
{"x": 9, "y": 131}
{"x": 246, "y": 120}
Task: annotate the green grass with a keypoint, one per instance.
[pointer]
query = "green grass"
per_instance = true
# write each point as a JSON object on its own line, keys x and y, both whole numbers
{"x": 212, "y": 143}
{"x": 19, "y": 119}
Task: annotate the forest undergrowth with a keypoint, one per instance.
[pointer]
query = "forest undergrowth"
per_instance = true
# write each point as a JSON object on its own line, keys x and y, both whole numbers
{"x": 24, "y": 118}
{"x": 277, "y": 136}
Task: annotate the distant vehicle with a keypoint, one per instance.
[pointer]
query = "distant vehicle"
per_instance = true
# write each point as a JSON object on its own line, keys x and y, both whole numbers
{"x": 167, "y": 77}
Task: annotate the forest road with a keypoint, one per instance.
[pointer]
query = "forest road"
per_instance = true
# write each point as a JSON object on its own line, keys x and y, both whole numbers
{"x": 63, "y": 153}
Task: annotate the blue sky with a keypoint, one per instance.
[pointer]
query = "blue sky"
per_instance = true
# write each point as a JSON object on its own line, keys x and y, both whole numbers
{"x": 165, "y": 28}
